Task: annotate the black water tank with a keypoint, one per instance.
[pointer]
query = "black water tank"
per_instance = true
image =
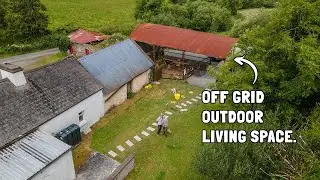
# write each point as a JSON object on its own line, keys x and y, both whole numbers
{"x": 70, "y": 135}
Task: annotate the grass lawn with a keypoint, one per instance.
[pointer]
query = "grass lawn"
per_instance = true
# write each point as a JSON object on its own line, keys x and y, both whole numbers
{"x": 46, "y": 60}
{"x": 92, "y": 14}
{"x": 156, "y": 157}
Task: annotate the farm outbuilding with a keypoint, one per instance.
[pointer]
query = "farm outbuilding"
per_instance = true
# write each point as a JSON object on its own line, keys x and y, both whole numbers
{"x": 37, "y": 156}
{"x": 183, "y": 51}
{"x": 83, "y": 42}
{"x": 122, "y": 68}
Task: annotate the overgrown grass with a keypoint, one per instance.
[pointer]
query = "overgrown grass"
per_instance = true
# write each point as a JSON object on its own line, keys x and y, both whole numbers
{"x": 46, "y": 60}
{"x": 156, "y": 157}
{"x": 105, "y": 15}
{"x": 249, "y": 14}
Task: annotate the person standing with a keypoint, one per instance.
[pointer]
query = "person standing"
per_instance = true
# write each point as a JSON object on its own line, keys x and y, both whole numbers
{"x": 165, "y": 125}
{"x": 160, "y": 122}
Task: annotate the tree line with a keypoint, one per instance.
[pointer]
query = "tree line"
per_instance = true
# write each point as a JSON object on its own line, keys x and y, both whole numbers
{"x": 202, "y": 15}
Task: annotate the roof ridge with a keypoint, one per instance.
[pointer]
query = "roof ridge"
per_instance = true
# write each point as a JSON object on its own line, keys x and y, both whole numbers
{"x": 186, "y": 29}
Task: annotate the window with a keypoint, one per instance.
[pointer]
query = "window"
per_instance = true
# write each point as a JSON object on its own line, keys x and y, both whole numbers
{"x": 81, "y": 116}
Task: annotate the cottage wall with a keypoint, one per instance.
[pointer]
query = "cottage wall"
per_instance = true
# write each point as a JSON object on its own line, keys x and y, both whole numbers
{"x": 138, "y": 82}
{"x": 93, "y": 108}
{"x": 60, "y": 169}
{"x": 79, "y": 49}
{"x": 115, "y": 98}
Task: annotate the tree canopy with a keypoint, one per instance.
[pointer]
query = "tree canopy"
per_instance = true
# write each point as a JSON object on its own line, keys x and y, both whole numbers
{"x": 26, "y": 18}
{"x": 286, "y": 50}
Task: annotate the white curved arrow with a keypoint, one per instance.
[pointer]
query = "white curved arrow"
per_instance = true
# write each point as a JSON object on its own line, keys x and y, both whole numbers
{"x": 241, "y": 60}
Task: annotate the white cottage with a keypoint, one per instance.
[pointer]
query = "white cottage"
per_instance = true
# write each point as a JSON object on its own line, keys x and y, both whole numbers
{"x": 122, "y": 68}
{"x": 45, "y": 101}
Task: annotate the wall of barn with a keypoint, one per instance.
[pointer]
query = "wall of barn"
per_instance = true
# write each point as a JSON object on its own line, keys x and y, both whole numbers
{"x": 79, "y": 49}
{"x": 93, "y": 108}
{"x": 115, "y": 98}
{"x": 138, "y": 82}
{"x": 62, "y": 168}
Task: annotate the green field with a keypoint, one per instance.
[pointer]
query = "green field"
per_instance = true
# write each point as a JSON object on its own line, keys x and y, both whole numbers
{"x": 156, "y": 157}
{"x": 94, "y": 14}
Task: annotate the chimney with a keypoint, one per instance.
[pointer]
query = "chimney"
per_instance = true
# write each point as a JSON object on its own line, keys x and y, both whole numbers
{"x": 14, "y": 73}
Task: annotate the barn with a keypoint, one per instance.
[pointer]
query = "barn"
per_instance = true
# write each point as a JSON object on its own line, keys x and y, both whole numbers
{"x": 122, "y": 69}
{"x": 37, "y": 156}
{"x": 84, "y": 41}
{"x": 184, "y": 52}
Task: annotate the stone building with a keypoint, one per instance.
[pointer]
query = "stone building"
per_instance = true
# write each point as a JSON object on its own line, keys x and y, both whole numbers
{"x": 122, "y": 68}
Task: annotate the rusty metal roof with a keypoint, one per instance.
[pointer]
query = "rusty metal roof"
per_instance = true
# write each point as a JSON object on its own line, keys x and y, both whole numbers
{"x": 209, "y": 44}
{"x": 82, "y": 36}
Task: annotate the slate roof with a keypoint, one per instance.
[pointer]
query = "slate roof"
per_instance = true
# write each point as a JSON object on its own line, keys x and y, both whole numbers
{"x": 49, "y": 91}
{"x": 116, "y": 65}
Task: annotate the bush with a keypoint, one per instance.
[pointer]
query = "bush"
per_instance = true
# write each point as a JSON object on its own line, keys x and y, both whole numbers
{"x": 232, "y": 161}
{"x": 66, "y": 29}
{"x": 130, "y": 95}
{"x": 113, "y": 39}
{"x": 36, "y": 44}
{"x": 125, "y": 29}
{"x": 63, "y": 43}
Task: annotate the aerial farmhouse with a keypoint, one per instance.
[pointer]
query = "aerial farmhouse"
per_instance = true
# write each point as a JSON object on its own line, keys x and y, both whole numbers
{"x": 35, "y": 106}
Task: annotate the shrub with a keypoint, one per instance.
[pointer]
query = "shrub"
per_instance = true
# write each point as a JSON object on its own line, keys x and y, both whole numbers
{"x": 63, "y": 43}
{"x": 113, "y": 39}
{"x": 125, "y": 29}
{"x": 130, "y": 95}
{"x": 66, "y": 29}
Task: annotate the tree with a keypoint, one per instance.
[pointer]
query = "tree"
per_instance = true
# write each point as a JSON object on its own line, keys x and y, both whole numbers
{"x": 3, "y": 6}
{"x": 145, "y": 9}
{"x": 208, "y": 16}
{"x": 286, "y": 51}
{"x": 26, "y": 18}
{"x": 198, "y": 15}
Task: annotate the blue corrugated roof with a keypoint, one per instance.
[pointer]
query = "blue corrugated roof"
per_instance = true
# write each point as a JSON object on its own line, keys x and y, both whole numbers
{"x": 116, "y": 65}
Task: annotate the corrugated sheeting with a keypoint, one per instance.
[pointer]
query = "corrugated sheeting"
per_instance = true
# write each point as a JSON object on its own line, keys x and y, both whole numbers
{"x": 212, "y": 45}
{"x": 30, "y": 155}
{"x": 82, "y": 36}
{"x": 116, "y": 65}
{"x": 187, "y": 55}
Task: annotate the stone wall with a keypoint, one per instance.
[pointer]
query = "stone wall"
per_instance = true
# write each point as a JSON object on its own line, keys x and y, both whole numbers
{"x": 123, "y": 170}
{"x": 138, "y": 82}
